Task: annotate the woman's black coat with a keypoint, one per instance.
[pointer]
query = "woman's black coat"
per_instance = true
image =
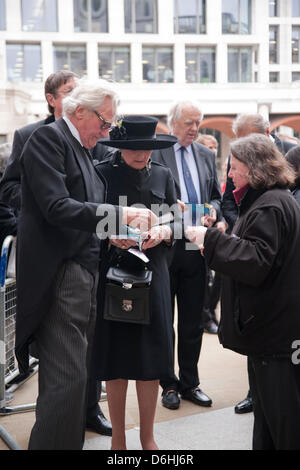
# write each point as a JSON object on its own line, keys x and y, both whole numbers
{"x": 260, "y": 263}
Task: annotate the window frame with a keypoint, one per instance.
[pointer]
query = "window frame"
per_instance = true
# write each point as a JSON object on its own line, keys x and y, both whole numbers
{"x": 3, "y": 15}
{"x": 275, "y": 28}
{"x": 198, "y": 61}
{"x": 198, "y": 24}
{"x": 156, "y": 64}
{"x": 295, "y": 28}
{"x": 113, "y": 48}
{"x": 250, "y": 9}
{"x": 43, "y": 30}
{"x": 252, "y": 71}
{"x": 23, "y": 45}
{"x": 69, "y": 50}
{"x": 90, "y": 19}
{"x": 133, "y": 18}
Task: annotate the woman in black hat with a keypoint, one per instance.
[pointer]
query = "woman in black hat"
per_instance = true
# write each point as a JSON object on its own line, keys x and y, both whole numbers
{"x": 124, "y": 351}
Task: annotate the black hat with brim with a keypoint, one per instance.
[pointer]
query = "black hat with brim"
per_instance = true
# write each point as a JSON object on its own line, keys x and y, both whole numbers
{"x": 138, "y": 133}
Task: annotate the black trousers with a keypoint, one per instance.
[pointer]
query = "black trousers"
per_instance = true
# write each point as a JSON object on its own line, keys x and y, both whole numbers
{"x": 188, "y": 279}
{"x": 275, "y": 388}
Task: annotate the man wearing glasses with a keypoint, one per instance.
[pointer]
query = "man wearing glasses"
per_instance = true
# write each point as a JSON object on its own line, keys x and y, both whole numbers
{"x": 58, "y": 256}
{"x": 58, "y": 86}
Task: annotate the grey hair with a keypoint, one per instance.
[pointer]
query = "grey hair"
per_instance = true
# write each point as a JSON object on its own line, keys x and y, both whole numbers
{"x": 176, "y": 109}
{"x": 266, "y": 164}
{"x": 91, "y": 95}
{"x": 255, "y": 122}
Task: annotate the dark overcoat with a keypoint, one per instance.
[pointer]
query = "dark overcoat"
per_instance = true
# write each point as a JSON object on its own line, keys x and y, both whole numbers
{"x": 131, "y": 351}
{"x": 61, "y": 193}
{"x": 260, "y": 263}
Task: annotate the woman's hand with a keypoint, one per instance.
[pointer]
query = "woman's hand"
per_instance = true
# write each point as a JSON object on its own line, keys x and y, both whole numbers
{"x": 209, "y": 219}
{"x": 156, "y": 235}
{"x": 123, "y": 243}
{"x": 140, "y": 218}
{"x": 196, "y": 235}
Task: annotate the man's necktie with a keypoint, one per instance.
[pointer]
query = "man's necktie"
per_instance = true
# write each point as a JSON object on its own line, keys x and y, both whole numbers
{"x": 191, "y": 191}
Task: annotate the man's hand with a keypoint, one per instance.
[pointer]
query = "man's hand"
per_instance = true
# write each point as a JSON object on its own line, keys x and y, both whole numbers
{"x": 124, "y": 243}
{"x": 142, "y": 219}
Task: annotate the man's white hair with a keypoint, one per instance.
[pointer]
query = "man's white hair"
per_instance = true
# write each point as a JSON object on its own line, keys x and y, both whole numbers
{"x": 176, "y": 109}
{"x": 91, "y": 95}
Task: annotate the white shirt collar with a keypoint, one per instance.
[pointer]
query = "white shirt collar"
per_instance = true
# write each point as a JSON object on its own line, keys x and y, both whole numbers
{"x": 73, "y": 129}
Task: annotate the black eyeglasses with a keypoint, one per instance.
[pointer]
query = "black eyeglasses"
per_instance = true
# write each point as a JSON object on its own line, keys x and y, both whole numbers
{"x": 105, "y": 124}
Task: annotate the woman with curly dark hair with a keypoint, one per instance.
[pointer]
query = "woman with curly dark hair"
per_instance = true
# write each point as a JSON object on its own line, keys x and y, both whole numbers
{"x": 260, "y": 307}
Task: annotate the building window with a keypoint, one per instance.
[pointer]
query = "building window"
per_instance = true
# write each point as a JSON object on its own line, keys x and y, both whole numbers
{"x": 70, "y": 58}
{"x": 189, "y": 16}
{"x": 274, "y": 77}
{"x": 140, "y": 16}
{"x": 295, "y": 7}
{"x": 24, "y": 63}
{"x": 3, "y": 139}
{"x": 158, "y": 64}
{"x": 39, "y": 15}
{"x": 295, "y": 76}
{"x": 2, "y": 15}
{"x": 90, "y": 16}
{"x": 200, "y": 64}
{"x": 239, "y": 64}
{"x": 295, "y": 44}
{"x": 273, "y": 44}
{"x": 236, "y": 16}
{"x": 273, "y": 8}
{"x": 114, "y": 63}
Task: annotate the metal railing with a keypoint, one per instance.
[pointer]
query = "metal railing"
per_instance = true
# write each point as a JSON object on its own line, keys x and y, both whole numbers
{"x": 10, "y": 378}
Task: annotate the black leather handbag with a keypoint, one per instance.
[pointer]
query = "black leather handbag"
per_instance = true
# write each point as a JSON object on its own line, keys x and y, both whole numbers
{"x": 127, "y": 295}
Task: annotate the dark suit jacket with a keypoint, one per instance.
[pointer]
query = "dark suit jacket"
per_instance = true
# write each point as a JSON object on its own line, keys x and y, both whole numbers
{"x": 10, "y": 191}
{"x": 207, "y": 172}
{"x": 60, "y": 198}
{"x": 10, "y": 184}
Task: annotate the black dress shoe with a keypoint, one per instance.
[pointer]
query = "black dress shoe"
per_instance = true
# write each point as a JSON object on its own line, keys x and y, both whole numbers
{"x": 197, "y": 396}
{"x": 211, "y": 327}
{"x": 171, "y": 400}
{"x": 99, "y": 424}
{"x": 245, "y": 406}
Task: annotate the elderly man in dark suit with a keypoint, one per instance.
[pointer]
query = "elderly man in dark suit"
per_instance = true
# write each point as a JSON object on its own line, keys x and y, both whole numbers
{"x": 57, "y": 86}
{"x": 194, "y": 170}
{"x": 57, "y": 258}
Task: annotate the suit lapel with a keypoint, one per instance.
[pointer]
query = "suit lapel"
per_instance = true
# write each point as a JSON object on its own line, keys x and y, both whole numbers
{"x": 168, "y": 159}
{"x": 200, "y": 163}
{"x": 79, "y": 154}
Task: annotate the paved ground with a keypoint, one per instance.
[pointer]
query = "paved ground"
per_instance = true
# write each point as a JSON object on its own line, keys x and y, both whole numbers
{"x": 223, "y": 377}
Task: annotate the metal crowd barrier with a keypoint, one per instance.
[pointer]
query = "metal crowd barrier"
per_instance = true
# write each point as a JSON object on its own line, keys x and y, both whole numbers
{"x": 10, "y": 378}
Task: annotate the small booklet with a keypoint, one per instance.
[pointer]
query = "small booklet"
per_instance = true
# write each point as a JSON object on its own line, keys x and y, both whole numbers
{"x": 135, "y": 233}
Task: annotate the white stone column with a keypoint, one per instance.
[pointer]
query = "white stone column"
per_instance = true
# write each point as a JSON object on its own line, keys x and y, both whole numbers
{"x": 47, "y": 59}
{"x": 13, "y": 15}
{"x": 65, "y": 13}
{"x": 179, "y": 63}
{"x": 264, "y": 109}
{"x": 116, "y": 18}
{"x": 92, "y": 59}
{"x": 136, "y": 63}
{"x": 221, "y": 63}
{"x": 165, "y": 17}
